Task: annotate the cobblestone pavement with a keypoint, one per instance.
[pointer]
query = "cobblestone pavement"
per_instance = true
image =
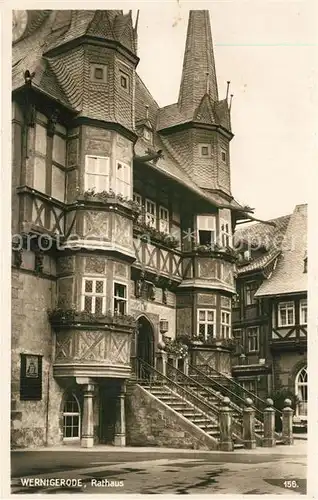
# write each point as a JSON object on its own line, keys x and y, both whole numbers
{"x": 147, "y": 471}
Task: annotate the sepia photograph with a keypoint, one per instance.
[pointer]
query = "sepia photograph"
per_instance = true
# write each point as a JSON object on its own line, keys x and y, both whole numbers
{"x": 159, "y": 275}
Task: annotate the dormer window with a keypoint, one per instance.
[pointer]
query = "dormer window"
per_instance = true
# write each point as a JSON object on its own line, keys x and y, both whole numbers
{"x": 124, "y": 81}
{"x": 223, "y": 155}
{"x": 98, "y": 73}
{"x": 205, "y": 150}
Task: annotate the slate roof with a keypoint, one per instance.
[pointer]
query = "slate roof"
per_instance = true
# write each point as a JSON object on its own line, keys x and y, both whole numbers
{"x": 288, "y": 276}
{"x": 63, "y": 77}
{"x": 262, "y": 236}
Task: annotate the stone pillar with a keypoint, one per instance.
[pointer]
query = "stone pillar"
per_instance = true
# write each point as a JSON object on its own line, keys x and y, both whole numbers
{"x": 87, "y": 439}
{"x": 186, "y": 365}
{"x": 226, "y": 443}
{"x": 164, "y": 362}
{"x": 269, "y": 425}
{"x": 249, "y": 425}
{"x": 120, "y": 425}
{"x": 287, "y": 433}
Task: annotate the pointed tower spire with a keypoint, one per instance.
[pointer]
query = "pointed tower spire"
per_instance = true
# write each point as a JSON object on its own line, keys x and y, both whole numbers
{"x": 198, "y": 74}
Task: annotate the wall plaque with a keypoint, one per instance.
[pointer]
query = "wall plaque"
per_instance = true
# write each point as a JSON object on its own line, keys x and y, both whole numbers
{"x": 31, "y": 377}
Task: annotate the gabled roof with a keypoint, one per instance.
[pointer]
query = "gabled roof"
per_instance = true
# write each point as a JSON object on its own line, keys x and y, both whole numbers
{"x": 288, "y": 276}
{"x": 264, "y": 237}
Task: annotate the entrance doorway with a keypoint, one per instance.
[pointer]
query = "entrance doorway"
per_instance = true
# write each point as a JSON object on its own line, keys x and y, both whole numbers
{"x": 145, "y": 342}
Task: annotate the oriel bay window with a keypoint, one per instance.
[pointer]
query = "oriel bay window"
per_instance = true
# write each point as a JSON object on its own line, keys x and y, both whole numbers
{"x": 225, "y": 234}
{"x": 206, "y": 322}
{"x": 120, "y": 298}
{"x": 252, "y": 339}
{"x": 286, "y": 314}
{"x": 97, "y": 173}
{"x": 225, "y": 324}
{"x": 303, "y": 312}
{"x": 206, "y": 230}
{"x": 94, "y": 295}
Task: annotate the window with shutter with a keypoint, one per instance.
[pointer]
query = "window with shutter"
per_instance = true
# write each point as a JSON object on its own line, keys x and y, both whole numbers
{"x": 123, "y": 179}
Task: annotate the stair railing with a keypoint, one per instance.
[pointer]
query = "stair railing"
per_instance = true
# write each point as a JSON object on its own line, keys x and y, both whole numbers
{"x": 148, "y": 375}
{"x": 230, "y": 388}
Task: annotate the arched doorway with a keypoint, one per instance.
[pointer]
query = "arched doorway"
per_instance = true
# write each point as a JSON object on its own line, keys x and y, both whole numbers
{"x": 145, "y": 341}
{"x": 71, "y": 418}
{"x": 301, "y": 390}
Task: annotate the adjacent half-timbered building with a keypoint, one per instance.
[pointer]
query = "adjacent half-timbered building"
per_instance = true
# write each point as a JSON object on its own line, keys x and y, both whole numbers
{"x": 270, "y": 309}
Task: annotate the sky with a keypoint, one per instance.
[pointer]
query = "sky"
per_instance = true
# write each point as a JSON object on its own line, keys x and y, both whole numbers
{"x": 267, "y": 49}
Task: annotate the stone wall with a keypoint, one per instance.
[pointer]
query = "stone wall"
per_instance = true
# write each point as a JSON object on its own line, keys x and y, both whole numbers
{"x": 34, "y": 423}
{"x": 150, "y": 423}
{"x": 286, "y": 367}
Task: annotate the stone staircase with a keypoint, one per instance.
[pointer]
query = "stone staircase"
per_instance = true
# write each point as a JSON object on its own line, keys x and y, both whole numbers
{"x": 197, "y": 399}
{"x": 200, "y": 419}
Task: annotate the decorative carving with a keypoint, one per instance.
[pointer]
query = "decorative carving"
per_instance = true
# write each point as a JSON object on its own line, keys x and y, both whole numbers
{"x": 164, "y": 295}
{"x": 38, "y": 262}
{"x": 102, "y": 347}
{"x": 120, "y": 269}
{"x": 52, "y": 123}
{"x": 123, "y": 231}
{"x": 138, "y": 288}
{"x": 95, "y": 265}
{"x": 17, "y": 257}
{"x": 152, "y": 291}
{"x": 65, "y": 264}
{"x": 207, "y": 268}
{"x": 96, "y": 224}
{"x": 206, "y": 298}
{"x": 226, "y": 302}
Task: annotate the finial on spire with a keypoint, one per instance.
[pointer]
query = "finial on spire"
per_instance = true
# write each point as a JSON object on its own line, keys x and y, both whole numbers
{"x": 227, "y": 89}
{"x": 137, "y": 19}
{"x": 231, "y": 98}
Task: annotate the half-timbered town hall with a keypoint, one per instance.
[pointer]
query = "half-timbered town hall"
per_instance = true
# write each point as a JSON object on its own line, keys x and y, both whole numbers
{"x": 124, "y": 271}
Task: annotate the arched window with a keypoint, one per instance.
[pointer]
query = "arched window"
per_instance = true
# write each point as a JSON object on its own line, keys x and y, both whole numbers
{"x": 71, "y": 418}
{"x": 301, "y": 389}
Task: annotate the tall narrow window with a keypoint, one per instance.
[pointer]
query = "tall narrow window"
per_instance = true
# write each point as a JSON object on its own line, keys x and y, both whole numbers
{"x": 150, "y": 213}
{"x": 225, "y": 325}
{"x": 225, "y": 234}
{"x": 239, "y": 340}
{"x": 97, "y": 173}
{"x": 252, "y": 339}
{"x": 303, "y": 311}
{"x": 206, "y": 232}
{"x": 163, "y": 220}
{"x": 286, "y": 314}
{"x": 94, "y": 295}
{"x": 206, "y": 322}
{"x": 71, "y": 418}
{"x": 120, "y": 298}
{"x": 301, "y": 390}
{"x": 123, "y": 179}
{"x": 250, "y": 290}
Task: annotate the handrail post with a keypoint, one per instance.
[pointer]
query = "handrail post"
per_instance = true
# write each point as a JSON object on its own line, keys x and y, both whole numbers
{"x": 226, "y": 443}
{"x": 269, "y": 425}
{"x": 287, "y": 433}
{"x": 249, "y": 425}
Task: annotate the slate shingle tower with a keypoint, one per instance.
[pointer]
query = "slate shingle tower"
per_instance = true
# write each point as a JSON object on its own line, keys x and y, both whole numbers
{"x": 134, "y": 205}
